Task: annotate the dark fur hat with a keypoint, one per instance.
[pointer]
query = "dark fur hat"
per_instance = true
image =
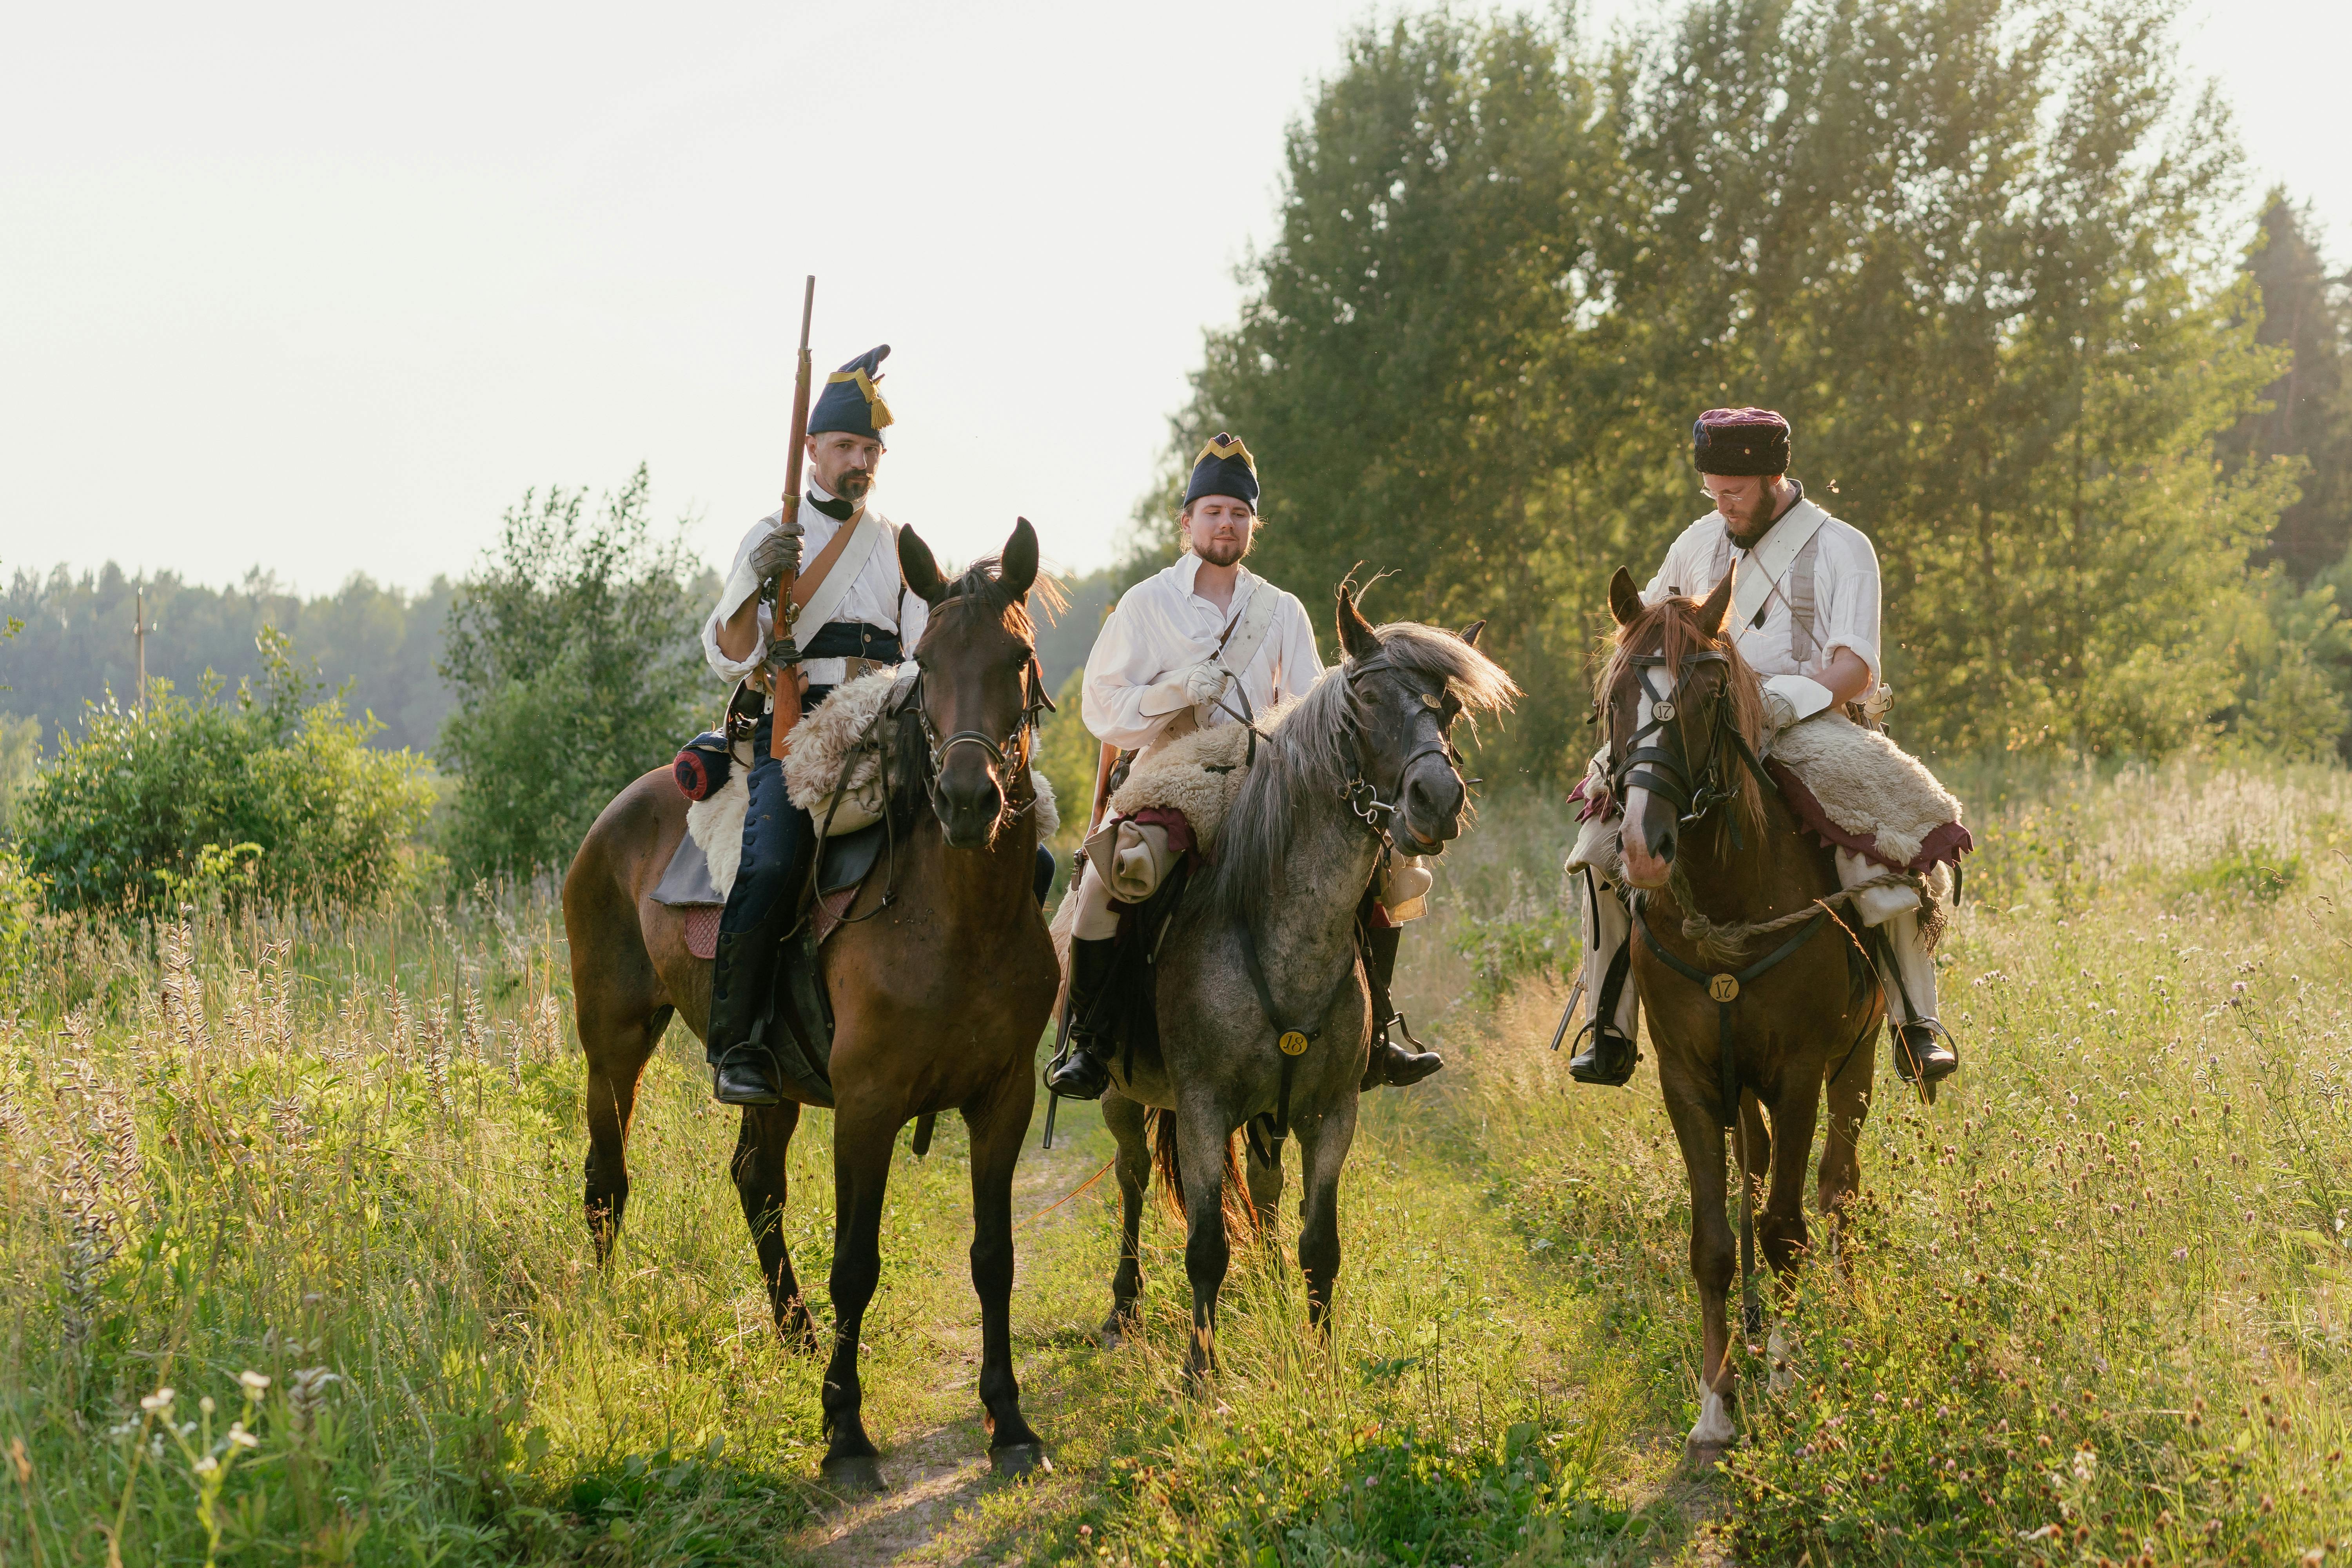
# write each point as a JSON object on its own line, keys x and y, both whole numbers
{"x": 1741, "y": 441}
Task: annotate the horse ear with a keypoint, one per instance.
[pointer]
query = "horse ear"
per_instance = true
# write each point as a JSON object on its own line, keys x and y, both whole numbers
{"x": 1624, "y": 599}
{"x": 1711, "y": 612}
{"x": 1470, "y": 633}
{"x": 921, "y": 571}
{"x": 1357, "y": 640}
{"x": 1017, "y": 569}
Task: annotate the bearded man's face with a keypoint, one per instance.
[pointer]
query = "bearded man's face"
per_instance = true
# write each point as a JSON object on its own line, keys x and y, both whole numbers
{"x": 1742, "y": 499}
{"x": 844, "y": 463}
{"x": 1219, "y": 529}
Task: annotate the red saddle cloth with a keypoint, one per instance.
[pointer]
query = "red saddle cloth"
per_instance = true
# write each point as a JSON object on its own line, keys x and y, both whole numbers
{"x": 1944, "y": 845}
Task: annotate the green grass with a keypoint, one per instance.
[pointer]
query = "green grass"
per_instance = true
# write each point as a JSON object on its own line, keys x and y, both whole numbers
{"x": 2099, "y": 1306}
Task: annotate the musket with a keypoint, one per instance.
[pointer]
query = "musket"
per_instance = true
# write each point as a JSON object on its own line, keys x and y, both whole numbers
{"x": 783, "y": 654}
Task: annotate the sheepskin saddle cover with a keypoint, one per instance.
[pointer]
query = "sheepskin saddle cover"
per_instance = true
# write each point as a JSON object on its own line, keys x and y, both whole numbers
{"x": 823, "y": 740}
{"x": 1197, "y": 775}
{"x": 822, "y": 743}
{"x": 1858, "y": 790}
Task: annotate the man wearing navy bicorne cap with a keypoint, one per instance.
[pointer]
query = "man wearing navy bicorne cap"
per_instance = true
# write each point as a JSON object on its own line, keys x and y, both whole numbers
{"x": 1201, "y": 643}
{"x": 856, "y": 617}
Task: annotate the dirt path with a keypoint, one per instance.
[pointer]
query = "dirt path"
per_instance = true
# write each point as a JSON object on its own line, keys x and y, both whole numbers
{"x": 937, "y": 1473}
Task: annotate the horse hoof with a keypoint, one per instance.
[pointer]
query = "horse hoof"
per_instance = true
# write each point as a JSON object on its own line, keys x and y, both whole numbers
{"x": 854, "y": 1474}
{"x": 1016, "y": 1459}
{"x": 1704, "y": 1455}
{"x": 1116, "y": 1331}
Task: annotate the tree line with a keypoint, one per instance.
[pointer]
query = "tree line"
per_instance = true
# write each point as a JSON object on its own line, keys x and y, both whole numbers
{"x": 1981, "y": 252}
{"x": 1993, "y": 257}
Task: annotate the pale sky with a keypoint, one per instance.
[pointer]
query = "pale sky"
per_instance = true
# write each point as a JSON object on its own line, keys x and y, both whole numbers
{"x": 325, "y": 289}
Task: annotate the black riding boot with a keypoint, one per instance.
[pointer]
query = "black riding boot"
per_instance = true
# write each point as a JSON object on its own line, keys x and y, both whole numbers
{"x": 1923, "y": 1052}
{"x": 1608, "y": 1061}
{"x": 778, "y": 840}
{"x": 1391, "y": 1063}
{"x": 742, "y": 1070}
{"x": 1084, "y": 1072}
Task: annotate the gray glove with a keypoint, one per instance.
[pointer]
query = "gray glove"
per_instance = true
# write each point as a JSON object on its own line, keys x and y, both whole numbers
{"x": 778, "y": 554}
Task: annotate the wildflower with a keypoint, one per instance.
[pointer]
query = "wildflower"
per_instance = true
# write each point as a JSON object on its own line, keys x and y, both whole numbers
{"x": 207, "y": 1405}
{"x": 159, "y": 1400}
{"x": 205, "y": 1465}
{"x": 254, "y": 1382}
{"x": 242, "y": 1438}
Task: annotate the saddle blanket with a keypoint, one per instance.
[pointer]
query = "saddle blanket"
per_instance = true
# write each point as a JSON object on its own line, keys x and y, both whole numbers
{"x": 1855, "y": 789}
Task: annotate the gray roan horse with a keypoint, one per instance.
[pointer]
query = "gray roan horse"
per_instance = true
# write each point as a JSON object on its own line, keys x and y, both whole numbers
{"x": 915, "y": 1035}
{"x": 1360, "y": 765}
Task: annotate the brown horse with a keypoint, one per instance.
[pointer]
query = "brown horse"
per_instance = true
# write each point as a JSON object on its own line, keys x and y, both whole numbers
{"x": 914, "y": 1036}
{"x": 1772, "y": 1014}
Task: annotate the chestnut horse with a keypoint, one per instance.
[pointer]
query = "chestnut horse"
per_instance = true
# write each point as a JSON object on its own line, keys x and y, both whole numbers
{"x": 1746, "y": 985}
{"x": 915, "y": 1035}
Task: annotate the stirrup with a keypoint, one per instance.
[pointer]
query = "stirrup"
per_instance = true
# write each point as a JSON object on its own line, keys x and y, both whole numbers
{"x": 756, "y": 1063}
{"x": 1906, "y": 1067}
{"x": 1081, "y": 1075}
{"x": 1592, "y": 1064}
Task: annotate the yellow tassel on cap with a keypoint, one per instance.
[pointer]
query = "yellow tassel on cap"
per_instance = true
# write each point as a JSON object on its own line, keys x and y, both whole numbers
{"x": 870, "y": 392}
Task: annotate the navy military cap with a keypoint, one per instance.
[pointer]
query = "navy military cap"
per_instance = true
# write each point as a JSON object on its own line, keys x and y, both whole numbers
{"x": 1224, "y": 468}
{"x": 852, "y": 399}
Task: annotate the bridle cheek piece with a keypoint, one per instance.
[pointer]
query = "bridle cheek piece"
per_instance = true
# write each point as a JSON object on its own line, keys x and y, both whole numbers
{"x": 1362, "y": 797}
{"x": 1665, "y": 770}
{"x": 1018, "y": 745}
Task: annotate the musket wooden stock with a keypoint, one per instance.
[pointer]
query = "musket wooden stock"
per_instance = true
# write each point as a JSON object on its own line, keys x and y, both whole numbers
{"x": 783, "y": 651}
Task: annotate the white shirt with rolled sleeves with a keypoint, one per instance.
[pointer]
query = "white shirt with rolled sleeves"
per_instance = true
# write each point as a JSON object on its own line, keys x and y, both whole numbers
{"x": 879, "y": 598}
{"x": 1162, "y": 625}
{"x": 1844, "y": 596}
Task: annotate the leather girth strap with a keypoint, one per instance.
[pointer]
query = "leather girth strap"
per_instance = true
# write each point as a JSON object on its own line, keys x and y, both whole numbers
{"x": 1726, "y": 989}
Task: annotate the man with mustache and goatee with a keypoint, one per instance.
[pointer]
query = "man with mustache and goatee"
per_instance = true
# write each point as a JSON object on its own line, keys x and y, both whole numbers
{"x": 856, "y": 617}
{"x": 1182, "y": 651}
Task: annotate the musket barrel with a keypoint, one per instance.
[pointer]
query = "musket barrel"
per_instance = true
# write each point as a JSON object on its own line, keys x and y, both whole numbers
{"x": 783, "y": 652}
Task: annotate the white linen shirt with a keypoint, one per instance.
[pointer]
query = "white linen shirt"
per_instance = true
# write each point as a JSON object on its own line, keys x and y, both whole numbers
{"x": 1162, "y": 625}
{"x": 879, "y": 598}
{"x": 1846, "y": 597}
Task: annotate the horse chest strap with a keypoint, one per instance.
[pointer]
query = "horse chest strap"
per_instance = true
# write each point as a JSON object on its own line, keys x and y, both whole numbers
{"x": 1724, "y": 989}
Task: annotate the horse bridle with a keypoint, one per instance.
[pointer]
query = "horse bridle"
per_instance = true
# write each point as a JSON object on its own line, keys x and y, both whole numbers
{"x": 1362, "y": 797}
{"x": 1666, "y": 770}
{"x": 1020, "y": 743}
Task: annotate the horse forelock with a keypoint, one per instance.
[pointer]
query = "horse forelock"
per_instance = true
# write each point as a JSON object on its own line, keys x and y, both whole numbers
{"x": 1670, "y": 628}
{"x": 1305, "y": 749}
{"x": 980, "y": 592}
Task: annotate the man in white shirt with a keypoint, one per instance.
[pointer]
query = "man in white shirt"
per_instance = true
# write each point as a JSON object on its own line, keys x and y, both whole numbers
{"x": 857, "y": 616}
{"x": 1814, "y": 642}
{"x": 1196, "y": 645}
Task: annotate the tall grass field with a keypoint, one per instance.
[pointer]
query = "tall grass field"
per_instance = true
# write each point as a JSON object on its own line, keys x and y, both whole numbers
{"x": 294, "y": 1269}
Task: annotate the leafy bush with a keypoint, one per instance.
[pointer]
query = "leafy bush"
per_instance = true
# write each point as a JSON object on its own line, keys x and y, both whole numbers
{"x": 1529, "y": 937}
{"x": 273, "y": 792}
{"x": 572, "y": 653}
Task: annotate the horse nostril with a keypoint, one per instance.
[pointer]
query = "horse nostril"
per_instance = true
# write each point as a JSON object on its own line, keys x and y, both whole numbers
{"x": 1665, "y": 847}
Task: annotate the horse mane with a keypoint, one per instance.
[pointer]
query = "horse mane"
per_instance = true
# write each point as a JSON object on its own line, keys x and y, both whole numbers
{"x": 1674, "y": 622}
{"x": 1304, "y": 749}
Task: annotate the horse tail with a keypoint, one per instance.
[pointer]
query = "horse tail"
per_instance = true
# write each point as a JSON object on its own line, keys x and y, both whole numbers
{"x": 1240, "y": 1217}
